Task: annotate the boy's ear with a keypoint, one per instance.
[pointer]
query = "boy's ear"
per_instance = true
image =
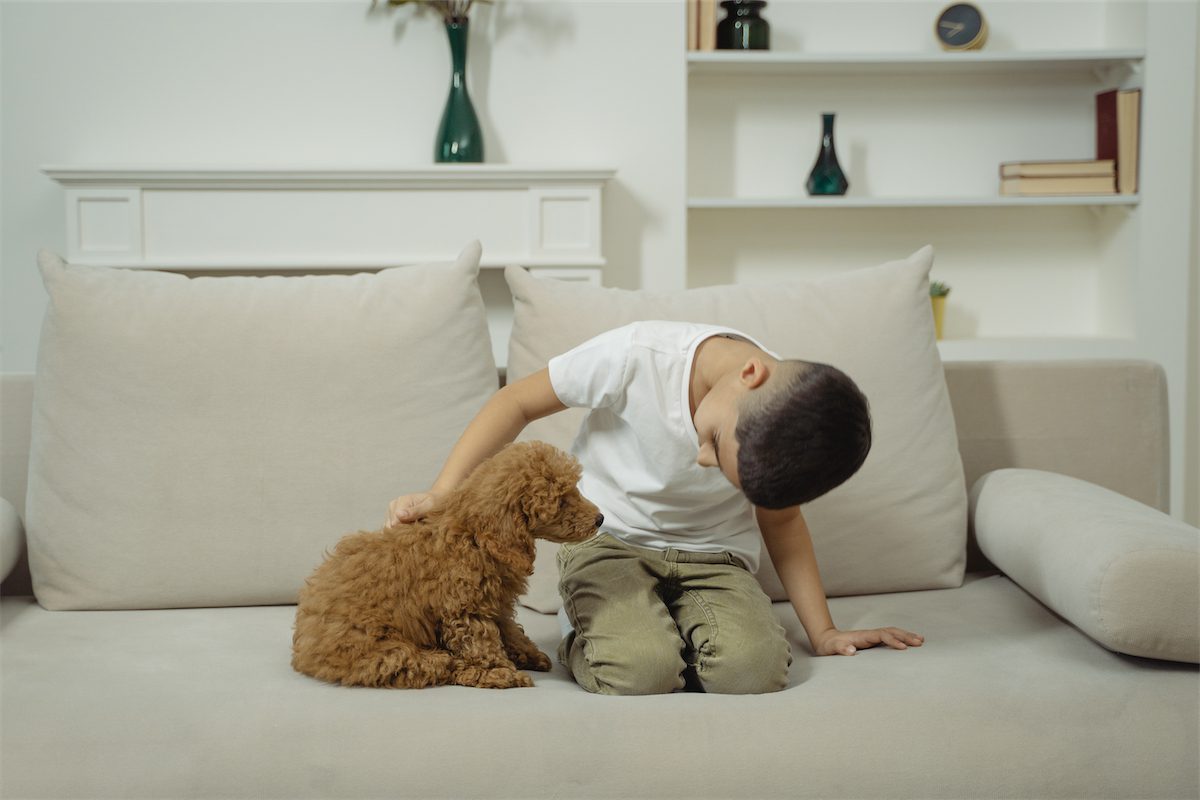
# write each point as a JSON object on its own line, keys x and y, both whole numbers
{"x": 753, "y": 373}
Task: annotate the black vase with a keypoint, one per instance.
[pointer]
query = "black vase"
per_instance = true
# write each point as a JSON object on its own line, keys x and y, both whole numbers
{"x": 827, "y": 177}
{"x": 743, "y": 28}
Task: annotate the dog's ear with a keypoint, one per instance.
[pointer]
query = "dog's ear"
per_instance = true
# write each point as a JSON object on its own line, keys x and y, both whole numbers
{"x": 522, "y": 488}
{"x": 540, "y": 504}
{"x": 549, "y": 475}
{"x": 506, "y": 538}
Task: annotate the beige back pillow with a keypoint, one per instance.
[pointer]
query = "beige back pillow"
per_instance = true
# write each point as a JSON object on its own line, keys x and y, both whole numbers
{"x": 900, "y": 522}
{"x": 202, "y": 441}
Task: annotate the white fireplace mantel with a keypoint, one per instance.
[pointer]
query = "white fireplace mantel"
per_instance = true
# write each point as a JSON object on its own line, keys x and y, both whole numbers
{"x": 197, "y": 219}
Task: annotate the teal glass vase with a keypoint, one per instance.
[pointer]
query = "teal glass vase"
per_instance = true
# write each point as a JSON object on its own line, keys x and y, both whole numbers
{"x": 827, "y": 177}
{"x": 459, "y": 139}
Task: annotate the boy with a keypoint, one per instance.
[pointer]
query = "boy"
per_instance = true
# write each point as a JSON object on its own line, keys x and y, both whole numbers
{"x": 699, "y": 445}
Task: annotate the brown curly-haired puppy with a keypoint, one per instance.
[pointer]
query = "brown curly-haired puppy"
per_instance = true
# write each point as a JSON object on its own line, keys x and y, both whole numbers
{"x": 433, "y": 602}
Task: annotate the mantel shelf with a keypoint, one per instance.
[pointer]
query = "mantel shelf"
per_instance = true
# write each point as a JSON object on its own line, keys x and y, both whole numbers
{"x": 440, "y": 176}
{"x": 728, "y": 62}
{"x": 734, "y": 203}
{"x": 279, "y": 218}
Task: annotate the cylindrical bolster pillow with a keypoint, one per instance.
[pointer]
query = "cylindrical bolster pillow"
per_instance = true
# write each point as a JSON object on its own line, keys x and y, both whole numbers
{"x": 1125, "y": 574}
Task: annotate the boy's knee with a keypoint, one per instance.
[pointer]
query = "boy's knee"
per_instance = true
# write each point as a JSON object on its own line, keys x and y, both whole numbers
{"x": 759, "y": 666}
{"x": 643, "y": 666}
{"x": 637, "y": 678}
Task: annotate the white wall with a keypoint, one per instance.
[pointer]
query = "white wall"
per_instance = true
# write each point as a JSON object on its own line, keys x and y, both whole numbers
{"x": 326, "y": 83}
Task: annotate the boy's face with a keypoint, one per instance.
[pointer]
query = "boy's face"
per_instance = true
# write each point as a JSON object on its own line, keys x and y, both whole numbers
{"x": 716, "y": 419}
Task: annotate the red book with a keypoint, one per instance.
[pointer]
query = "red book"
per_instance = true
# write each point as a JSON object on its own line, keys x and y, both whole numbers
{"x": 1118, "y": 122}
{"x": 1106, "y": 125}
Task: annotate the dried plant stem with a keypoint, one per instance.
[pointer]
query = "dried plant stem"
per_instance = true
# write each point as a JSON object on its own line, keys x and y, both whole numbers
{"x": 457, "y": 11}
{"x": 453, "y": 10}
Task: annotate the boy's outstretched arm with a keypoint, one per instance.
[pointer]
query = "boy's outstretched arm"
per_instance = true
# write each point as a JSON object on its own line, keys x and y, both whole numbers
{"x": 502, "y": 418}
{"x": 790, "y": 546}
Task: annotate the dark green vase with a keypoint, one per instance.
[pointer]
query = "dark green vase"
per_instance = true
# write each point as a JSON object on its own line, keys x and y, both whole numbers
{"x": 459, "y": 136}
{"x": 743, "y": 28}
{"x": 827, "y": 177}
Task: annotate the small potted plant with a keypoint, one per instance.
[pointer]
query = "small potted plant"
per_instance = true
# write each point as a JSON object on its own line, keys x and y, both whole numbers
{"x": 937, "y": 296}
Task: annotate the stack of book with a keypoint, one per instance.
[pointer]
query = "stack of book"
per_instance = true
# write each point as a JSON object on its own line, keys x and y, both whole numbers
{"x": 1058, "y": 177}
{"x": 1114, "y": 169}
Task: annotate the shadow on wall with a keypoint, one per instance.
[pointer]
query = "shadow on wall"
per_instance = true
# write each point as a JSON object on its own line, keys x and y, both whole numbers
{"x": 16, "y": 409}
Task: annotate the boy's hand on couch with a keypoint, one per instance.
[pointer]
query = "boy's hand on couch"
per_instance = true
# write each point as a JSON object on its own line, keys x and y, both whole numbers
{"x": 847, "y": 643}
{"x": 410, "y": 507}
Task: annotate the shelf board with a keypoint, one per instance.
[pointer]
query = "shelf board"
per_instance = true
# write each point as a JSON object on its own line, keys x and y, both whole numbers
{"x": 732, "y": 203}
{"x": 1037, "y": 348}
{"x": 729, "y": 62}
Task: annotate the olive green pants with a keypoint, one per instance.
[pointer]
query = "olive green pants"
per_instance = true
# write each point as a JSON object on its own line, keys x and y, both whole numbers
{"x": 654, "y": 621}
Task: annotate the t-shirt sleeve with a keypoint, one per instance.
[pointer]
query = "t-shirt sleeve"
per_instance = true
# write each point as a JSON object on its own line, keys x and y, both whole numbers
{"x": 594, "y": 374}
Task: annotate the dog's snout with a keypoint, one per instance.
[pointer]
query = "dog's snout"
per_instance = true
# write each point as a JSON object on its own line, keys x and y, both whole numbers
{"x": 599, "y": 520}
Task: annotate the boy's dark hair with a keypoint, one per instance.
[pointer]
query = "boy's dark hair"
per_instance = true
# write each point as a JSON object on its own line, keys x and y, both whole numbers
{"x": 804, "y": 438}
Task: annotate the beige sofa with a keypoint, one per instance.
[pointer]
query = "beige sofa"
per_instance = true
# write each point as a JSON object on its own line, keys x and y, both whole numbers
{"x": 172, "y": 678}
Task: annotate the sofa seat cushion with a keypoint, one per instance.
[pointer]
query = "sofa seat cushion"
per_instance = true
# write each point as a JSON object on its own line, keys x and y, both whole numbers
{"x": 1004, "y": 700}
{"x": 202, "y": 441}
{"x": 900, "y": 523}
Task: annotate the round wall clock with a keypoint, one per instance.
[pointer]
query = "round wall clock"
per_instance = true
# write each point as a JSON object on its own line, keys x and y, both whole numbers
{"x": 961, "y": 26}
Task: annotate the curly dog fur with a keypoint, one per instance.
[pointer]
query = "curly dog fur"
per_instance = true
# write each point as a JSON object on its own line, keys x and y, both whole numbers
{"x": 433, "y": 602}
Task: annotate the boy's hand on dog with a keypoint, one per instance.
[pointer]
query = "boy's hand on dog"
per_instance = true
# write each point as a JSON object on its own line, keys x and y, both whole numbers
{"x": 410, "y": 507}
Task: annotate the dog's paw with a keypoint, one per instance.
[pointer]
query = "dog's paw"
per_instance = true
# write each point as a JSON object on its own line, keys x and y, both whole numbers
{"x": 505, "y": 678}
{"x": 537, "y": 661}
{"x": 492, "y": 678}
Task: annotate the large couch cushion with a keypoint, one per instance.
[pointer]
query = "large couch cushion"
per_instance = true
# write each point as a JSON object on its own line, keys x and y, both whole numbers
{"x": 900, "y": 522}
{"x": 201, "y": 441}
{"x": 1004, "y": 700}
{"x": 1103, "y": 421}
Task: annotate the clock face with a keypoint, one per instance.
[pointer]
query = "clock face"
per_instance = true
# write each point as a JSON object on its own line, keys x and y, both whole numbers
{"x": 959, "y": 26}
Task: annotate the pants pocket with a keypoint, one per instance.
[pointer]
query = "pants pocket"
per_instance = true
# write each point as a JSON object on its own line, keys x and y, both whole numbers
{"x": 566, "y": 551}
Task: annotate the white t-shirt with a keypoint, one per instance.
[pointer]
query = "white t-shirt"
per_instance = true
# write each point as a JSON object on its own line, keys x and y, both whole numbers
{"x": 638, "y": 445}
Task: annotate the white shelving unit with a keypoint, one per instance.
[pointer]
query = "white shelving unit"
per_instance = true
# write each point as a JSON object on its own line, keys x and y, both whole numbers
{"x": 921, "y": 135}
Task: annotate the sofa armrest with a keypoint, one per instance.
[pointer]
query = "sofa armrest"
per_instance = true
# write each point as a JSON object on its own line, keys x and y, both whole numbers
{"x": 1125, "y": 574}
{"x": 12, "y": 537}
